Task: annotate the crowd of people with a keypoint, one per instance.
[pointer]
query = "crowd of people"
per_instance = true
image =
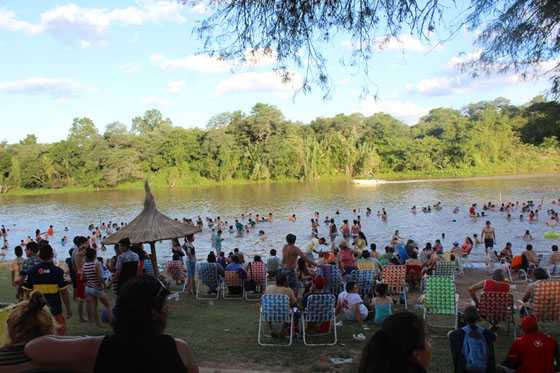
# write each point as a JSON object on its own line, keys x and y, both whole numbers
{"x": 138, "y": 315}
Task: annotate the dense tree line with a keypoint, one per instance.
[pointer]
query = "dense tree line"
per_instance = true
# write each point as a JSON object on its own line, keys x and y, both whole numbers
{"x": 482, "y": 138}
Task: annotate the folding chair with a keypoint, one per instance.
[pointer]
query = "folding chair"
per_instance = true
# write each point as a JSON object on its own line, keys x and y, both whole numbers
{"x": 275, "y": 308}
{"x": 413, "y": 275}
{"x": 178, "y": 273}
{"x": 394, "y": 276}
{"x": 334, "y": 278}
{"x": 232, "y": 279}
{"x": 207, "y": 274}
{"x": 546, "y": 302}
{"x": 441, "y": 298}
{"x": 446, "y": 269}
{"x": 496, "y": 307}
{"x": 320, "y": 308}
{"x": 365, "y": 265}
{"x": 366, "y": 281}
{"x": 257, "y": 274}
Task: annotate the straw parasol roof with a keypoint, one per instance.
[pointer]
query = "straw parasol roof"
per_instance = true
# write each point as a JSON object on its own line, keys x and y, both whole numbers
{"x": 151, "y": 225}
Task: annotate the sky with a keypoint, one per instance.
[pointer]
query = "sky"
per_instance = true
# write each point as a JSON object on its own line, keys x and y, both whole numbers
{"x": 113, "y": 60}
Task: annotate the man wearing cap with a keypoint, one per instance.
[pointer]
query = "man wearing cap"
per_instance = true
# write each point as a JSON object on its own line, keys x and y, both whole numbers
{"x": 534, "y": 351}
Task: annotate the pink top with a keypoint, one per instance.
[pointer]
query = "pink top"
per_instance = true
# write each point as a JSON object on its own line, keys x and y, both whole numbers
{"x": 346, "y": 258}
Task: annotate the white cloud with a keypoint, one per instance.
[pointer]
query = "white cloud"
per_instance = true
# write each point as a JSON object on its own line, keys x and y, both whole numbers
{"x": 455, "y": 81}
{"x": 73, "y": 23}
{"x": 9, "y": 22}
{"x": 270, "y": 82}
{"x": 155, "y": 102}
{"x": 213, "y": 64}
{"x": 449, "y": 85}
{"x": 406, "y": 111}
{"x": 463, "y": 58}
{"x": 200, "y": 63}
{"x": 85, "y": 43}
{"x": 175, "y": 87}
{"x": 130, "y": 68}
{"x": 53, "y": 87}
{"x": 403, "y": 42}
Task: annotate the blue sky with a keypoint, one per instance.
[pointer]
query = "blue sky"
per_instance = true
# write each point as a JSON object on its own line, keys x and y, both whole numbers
{"x": 111, "y": 61}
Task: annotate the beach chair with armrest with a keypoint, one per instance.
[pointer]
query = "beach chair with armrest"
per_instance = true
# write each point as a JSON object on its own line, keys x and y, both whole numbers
{"x": 440, "y": 298}
{"x": 275, "y": 309}
{"x": 546, "y": 302}
{"x": 413, "y": 275}
{"x": 256, "y": 272}
{"x": 207, "y": 275}
{"x": 320, "y": 309}
{"x": 446, "y": 268}
{"x": 497, "y": 307}
{"x": 394, "y": 276}
{"x": 232, "y": 279}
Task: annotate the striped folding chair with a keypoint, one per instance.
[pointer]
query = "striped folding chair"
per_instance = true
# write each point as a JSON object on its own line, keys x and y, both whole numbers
{"x": 334, "y": 278}
{"x": 366, "y": 281}
{"x": 365, "y": 265}
{"x": 394, "y": 276}
{"x": 546, "y": 302}
{"x": 441, "y": 298}
{"x": 208, "y": 277}
{"x": 256, "y": 273}
{"x": 275, "y": 309}
{"x": 320, "y": 309}
{"x": 232, "y": 279}
{"x": 445, "y": 268}
{"x": 497, "y": 307}
{"x": 413, "y": 275}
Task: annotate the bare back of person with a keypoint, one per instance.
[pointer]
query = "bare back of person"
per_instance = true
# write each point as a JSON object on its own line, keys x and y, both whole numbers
{"x": 290, "y": 255}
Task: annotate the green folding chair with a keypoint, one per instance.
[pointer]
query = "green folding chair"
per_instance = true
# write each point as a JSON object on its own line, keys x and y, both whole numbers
{"x": 440, "y": 298}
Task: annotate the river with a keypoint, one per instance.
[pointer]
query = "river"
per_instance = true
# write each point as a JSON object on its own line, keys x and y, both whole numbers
{"x": 23, "y": 214}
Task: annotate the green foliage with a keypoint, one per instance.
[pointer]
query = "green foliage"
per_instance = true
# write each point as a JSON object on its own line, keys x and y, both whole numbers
{"x": 484, "y": 138}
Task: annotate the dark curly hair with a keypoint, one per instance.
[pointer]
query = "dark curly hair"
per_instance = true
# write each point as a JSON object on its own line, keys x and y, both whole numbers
{"x": 140, "y": 311}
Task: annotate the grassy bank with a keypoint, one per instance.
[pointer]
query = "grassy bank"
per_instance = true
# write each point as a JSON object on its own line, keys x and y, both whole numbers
{"x": 223, "y": 334}
{"x": 159, "y": 183}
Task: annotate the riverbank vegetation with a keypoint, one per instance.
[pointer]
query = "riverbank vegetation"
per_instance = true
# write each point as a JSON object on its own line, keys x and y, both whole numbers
{"x": 484, "y": 138}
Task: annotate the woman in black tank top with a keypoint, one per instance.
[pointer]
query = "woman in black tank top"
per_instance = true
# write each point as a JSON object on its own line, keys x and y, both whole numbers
{"x": 138, "y": 344}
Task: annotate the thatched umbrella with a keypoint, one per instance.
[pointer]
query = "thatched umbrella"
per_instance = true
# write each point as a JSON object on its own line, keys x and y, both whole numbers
{"x": 151, "y": 226}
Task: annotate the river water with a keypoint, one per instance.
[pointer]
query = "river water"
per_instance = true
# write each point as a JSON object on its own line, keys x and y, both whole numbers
{"x": 23, "y": 214}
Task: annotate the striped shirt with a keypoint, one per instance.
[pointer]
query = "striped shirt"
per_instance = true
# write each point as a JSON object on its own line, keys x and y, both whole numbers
{"x": 90, "y": 275}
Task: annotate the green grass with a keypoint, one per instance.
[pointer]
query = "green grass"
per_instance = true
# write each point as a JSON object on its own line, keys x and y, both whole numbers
{"x": 224, "y": 334}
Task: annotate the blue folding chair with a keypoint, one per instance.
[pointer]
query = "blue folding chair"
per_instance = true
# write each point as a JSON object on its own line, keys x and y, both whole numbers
{"x": 275, "y": 308}
{"x": 320, "y": 308}
{"x": 208, "y": 275}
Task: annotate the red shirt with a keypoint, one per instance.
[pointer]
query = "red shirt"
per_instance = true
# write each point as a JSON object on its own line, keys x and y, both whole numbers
{"x": 346, "y": 258}
{"x": 495, "y": 286}
{"x": 535, "y": 352}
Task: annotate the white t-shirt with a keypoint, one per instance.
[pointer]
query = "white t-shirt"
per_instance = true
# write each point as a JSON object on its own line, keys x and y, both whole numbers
{"x": 349, "y": 300}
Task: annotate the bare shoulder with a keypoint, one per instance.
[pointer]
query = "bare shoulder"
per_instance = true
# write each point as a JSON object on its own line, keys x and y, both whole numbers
{"x": 186, "y": 355}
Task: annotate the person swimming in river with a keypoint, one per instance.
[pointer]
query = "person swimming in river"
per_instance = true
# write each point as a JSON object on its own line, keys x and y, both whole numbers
{"x": 527, "y": 236}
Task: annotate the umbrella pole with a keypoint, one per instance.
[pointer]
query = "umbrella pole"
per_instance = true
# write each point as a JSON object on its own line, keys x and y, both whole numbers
{"x": 154, "y": 259}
